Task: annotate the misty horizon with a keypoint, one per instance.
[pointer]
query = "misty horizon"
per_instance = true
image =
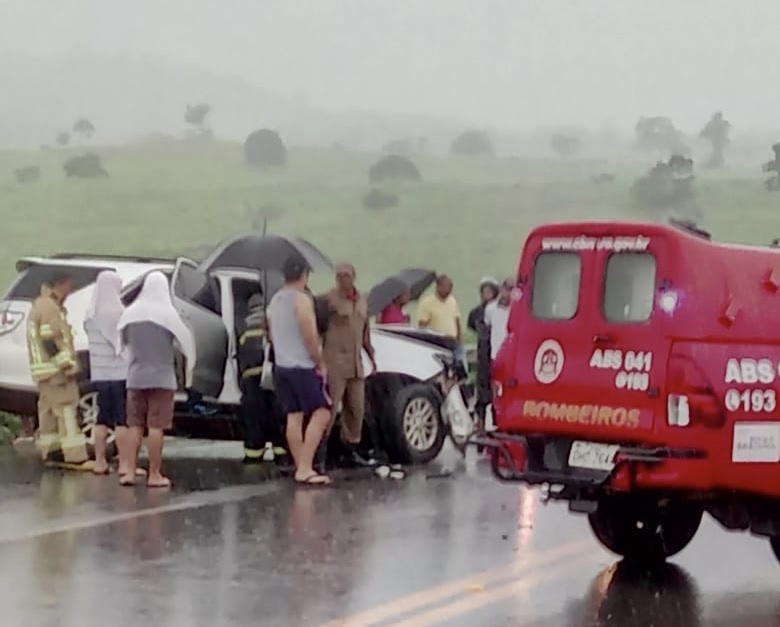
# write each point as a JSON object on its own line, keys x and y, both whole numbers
{"x": 514, "y": 66}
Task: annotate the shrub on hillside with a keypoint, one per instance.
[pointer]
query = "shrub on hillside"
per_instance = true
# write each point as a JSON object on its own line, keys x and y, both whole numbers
{"x": 378, "y": 199}
{"x": 27, "y": 174}
{"x": 87, "y": 166}
{"x": 472, "y": 144}
{"x": 565, "y": 145}
{"x": 667, "y": 185}
{"x": 265, "y": 147}
{"x": 393, "y": 168}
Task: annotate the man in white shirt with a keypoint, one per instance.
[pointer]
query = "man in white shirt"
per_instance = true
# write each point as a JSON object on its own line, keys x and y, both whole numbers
{"x": 497, "y": 315}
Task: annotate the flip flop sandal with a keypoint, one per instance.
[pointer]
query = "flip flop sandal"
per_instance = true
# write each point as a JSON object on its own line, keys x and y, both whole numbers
{"x": 310, "y": 482}
{"x": 166, "y": 484}
{"x": 100, "y": 473}
{"x": 397, "y": 474}
{"x": 126, "y": 481}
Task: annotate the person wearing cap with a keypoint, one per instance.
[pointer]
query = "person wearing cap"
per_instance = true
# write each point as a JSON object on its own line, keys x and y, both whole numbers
{"x": 488, "y": 291}
{"x": 497, "y": 315}
{"x": 262, "y": 429}
{"x": 345, "y": 339}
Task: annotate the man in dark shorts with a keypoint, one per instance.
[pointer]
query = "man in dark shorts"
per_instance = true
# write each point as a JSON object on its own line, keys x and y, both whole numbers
{"x": 299, "y": 371}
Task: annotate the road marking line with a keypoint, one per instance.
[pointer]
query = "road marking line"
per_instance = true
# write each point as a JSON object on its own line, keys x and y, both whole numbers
{"x": 195, "y": 501}
{"x": 474, "y": 602}
{"x": 417, "y": 600}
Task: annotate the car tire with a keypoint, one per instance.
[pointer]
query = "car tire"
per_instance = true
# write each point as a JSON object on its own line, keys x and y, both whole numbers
{"x": 412, "y": 427}
{"x": 644, "y": 531}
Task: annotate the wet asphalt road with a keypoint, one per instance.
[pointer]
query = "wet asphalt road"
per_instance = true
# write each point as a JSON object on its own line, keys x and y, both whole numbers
{"x": 229, "y": 547}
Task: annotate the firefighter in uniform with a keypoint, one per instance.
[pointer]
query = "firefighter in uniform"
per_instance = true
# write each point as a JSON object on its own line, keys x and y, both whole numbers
{"x": 54, "y": 367}
{"x": 263, "y": 440}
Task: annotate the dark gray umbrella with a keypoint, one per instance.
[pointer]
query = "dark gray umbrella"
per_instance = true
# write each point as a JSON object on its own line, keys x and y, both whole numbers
{"x": 264, "y": 252}
{"x": 415, "y": 280}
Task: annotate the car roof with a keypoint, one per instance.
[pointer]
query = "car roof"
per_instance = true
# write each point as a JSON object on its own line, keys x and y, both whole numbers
{"x": 127, "y": 267}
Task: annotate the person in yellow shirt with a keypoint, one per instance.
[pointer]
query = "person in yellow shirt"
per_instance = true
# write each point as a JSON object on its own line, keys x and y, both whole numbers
{"x": 439, "y": 312}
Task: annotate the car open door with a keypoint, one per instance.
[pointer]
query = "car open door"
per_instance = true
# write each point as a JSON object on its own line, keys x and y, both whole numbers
{"x": 195, "y": 299}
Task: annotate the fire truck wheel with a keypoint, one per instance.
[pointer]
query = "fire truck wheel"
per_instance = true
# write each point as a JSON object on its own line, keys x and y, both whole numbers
{"x": 645, "y": 531}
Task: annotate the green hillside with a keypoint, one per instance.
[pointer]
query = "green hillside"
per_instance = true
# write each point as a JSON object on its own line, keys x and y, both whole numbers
{"x": 468, "y": 217}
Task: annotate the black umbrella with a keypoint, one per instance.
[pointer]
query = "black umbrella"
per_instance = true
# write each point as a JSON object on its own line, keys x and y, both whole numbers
{"x": 264, "y": 252}
{"x": 413, "y": 280}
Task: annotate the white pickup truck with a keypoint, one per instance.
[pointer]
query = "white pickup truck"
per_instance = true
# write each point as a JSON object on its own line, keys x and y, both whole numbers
{"x": 406, "y": 396}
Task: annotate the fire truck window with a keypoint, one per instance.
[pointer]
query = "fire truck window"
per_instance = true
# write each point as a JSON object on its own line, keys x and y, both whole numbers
{"x": 629, "y": 287}
{"x": 556, "y": 286}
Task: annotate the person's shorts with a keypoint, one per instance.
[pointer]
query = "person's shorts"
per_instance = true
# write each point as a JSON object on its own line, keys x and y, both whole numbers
{"x": 150, "y": 408}
{"x": 301, "y": 390}
{"x": 111, "y": 401}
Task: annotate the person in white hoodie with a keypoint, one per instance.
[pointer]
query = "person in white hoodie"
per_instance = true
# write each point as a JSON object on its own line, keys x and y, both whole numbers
{"x": 152, "y": 330}
{"x": 108, "y": 368}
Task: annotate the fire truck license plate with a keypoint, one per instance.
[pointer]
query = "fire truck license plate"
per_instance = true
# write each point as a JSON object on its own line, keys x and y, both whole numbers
{"x": 593, "y": 456}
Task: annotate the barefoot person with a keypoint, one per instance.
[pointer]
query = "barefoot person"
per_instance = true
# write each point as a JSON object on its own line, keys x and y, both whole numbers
{"x": 299, "y": 371}
{"x": 107, "y": 368}
{"x": 152, "y": 330}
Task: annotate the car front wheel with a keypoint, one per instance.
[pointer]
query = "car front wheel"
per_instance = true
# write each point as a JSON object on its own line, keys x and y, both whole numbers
{"x": 413, "y": 427}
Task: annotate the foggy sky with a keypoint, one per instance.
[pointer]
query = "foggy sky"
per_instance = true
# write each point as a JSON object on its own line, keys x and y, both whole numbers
{"x": 509, "y": 63}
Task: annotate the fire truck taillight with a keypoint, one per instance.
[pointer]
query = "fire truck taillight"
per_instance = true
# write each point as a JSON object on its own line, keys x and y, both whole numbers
{"x": 691, "y": 400}
{"x": 667, "y": 301}
{"x": 678, "y": 411}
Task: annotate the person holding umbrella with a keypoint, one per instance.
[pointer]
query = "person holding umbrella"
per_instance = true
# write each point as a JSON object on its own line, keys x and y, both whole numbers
{"x": 488, "y": 291}
{"x": 394, "y": 312}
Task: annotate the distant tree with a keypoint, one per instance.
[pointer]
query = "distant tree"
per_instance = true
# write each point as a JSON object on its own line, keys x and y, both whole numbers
{"x": 716, "y": 131}
{"x": 265, "y": 147}
{"x": 773, "y": 182}
{"x": 379, "y": 199}
{"x": 393, "y": 168}
{"x": 83, "y": 127}
{"x": 472, "y": 144}
{"x": 667, "y": 185}
{"x": 63, "y": 139}
{"x": 565, "y": 145}
{"x": 87, "y": 166}
{"x": 196, "y": 115}
{"x": 27, "y": 174}
{"x": 658, "y": 134}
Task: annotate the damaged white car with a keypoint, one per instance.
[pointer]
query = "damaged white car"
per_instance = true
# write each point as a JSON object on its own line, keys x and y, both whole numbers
{"x": 414, "y": 398}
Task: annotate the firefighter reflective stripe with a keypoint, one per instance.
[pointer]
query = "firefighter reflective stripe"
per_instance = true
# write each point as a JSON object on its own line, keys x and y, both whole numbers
{"x": 280, "y": 450}
{"x": 252, "y": 453}
{"x": 252, "y": 372}
{"x": 64, "y": 358}
{"x": 250, "y": 334}
{"x": 45, "y": 332}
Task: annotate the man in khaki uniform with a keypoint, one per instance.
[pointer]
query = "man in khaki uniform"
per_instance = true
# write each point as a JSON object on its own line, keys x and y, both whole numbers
{"x": 54, "y": 367}
{"x": 347, "y": 334}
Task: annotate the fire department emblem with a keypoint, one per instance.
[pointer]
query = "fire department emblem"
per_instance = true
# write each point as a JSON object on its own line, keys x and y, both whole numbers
{"x": 548, "y": 362}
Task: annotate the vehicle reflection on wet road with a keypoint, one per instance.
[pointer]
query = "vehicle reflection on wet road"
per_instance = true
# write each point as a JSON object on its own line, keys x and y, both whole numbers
{"x": 231, "y": 546}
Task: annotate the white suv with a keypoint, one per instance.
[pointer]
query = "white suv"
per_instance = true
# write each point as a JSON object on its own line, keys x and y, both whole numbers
{"x": 406, "y": 396}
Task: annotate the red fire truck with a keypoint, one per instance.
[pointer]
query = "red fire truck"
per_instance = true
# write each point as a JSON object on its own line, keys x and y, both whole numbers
{"x": 639, "y": 381}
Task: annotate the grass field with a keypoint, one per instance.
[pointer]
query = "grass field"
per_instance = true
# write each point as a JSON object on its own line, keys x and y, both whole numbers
{"x": 468, "y": 217}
